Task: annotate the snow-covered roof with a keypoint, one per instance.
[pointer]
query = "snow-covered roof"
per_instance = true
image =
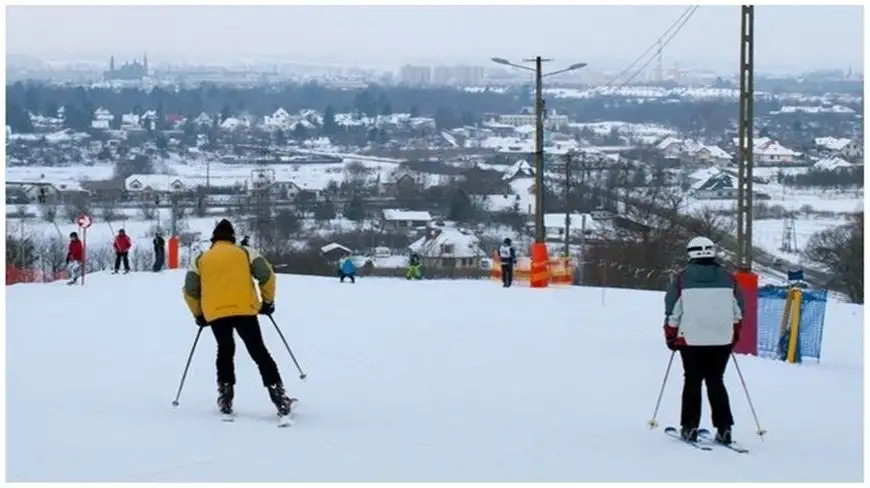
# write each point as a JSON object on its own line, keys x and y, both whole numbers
{"x": 829, "y": 164}
{"x": 832, "y": 143}
{"x": 718, "y": 181}
{"x": 519, "y": 168}
{"x": 406, "y": 215}
{"x": 447, "y": 242}
{"x": 773, "y": 148}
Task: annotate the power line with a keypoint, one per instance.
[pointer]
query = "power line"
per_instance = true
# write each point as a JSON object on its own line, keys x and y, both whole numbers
{"x": 659, "y": 43}
{"x": 664, "y": 44}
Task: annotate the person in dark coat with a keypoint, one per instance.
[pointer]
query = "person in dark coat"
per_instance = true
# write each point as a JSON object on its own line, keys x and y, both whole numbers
{"x": 159, "y": 252}
{"x": 508, "y": 257}
{"x": 703, "y": 316}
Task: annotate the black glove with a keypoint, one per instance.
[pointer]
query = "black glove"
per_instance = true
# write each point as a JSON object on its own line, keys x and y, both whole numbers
{"x": 267, "y": 308}
{"x": 200, "y": 321}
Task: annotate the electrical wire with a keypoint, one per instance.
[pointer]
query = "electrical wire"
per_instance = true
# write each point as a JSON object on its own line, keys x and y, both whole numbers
{"x": 659, "y": 43}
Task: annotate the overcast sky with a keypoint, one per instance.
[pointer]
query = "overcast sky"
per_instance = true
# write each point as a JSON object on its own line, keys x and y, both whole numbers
{"x": 787, "y": 37}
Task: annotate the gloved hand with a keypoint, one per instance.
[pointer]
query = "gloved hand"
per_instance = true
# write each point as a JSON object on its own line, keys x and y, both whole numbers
{"x": 200, "y": 320}
{"x": 735, "y": 337}
{"x": 673, "y": 339}
{"x": 267, "y": 308}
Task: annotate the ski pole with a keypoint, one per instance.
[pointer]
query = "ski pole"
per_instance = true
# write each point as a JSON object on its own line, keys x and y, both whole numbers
{"x": 301, "y": 374}
{"x": 760, "y": 431}
{"x": 186, "y": 367}
{"x": 653, "y": 423}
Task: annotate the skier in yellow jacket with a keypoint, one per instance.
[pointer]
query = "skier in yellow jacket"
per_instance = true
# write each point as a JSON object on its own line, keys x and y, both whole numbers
{"x": 220, "y": 292}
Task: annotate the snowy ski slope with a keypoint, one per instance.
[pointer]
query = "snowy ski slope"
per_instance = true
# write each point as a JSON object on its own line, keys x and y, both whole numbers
{"x": 422, "y": 381}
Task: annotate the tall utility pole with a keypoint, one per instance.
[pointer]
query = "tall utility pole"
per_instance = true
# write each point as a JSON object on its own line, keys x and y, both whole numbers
{"x": 745, "y": 143}
{"x": 539, "y": 133}
{"x": 539, "y": 150}
{"x": 569, "y": 159}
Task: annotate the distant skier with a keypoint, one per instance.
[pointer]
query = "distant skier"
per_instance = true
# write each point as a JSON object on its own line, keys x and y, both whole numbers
{"x": 122, "y": 247}
{"x": 219, "y": 292}
{"x": 414, "y": 265}
{"x": 346, "y": 269}
{"x": 508, "y": 257}
{"x": 703, "y": 316}
{"x": 159, "y": 252}
{"x": 75, "y": 256}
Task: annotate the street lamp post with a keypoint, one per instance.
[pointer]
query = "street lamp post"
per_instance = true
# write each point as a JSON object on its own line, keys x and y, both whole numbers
{"x": 539, "y": 271}
{"x": 539, "y": 132}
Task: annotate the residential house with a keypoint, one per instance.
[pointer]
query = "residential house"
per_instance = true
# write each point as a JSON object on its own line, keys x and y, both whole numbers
{"x": 43, "y": 191}
{"x": 771, "y": 153}
{"x": 203, "y": 120}
{"x": 693, "y": 153}
{"x": 552, "y": 119}
{"x": 832, "y": 164}
{"x": 839, "y": 146}
{"x": 280, "y": 119}
{"x": 102, "y": 119}
{"x": 520, "y": 169}
{"x": 717, "y": 186}
{"x": 404, "y": 219}
{"x": 154, "y": 186}
{"x": 448, "y": 247}
{"x": 720, "y": 185}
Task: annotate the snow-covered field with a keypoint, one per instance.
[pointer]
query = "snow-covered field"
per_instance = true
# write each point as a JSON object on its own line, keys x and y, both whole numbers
{"x": 532, "y": 391}
{"x": 768, "y": 234}
{"x": 795, "y": 201}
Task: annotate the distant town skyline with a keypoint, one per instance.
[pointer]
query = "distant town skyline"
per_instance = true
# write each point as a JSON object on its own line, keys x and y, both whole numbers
{"x": 788, "y": 38}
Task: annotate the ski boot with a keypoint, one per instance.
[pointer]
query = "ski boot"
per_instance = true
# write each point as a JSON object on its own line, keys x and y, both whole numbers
{"x": 689, "y": 434}
{"x": 723, "y": 436}
{"x": 282, "y": 402}
{"x": 225, "y": 398}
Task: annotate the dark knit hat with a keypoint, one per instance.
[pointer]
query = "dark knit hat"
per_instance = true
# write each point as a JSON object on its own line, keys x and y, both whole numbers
{"x": 224, "y": 231}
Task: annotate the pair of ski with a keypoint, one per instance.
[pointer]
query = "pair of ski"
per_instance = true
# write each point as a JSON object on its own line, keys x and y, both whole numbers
{"x": 705, "y": 441}
{"x": 283, "y": 420}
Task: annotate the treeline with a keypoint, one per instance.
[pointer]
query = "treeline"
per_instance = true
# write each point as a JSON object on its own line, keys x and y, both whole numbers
{"x": 843, "y": 178}
{"x": 449, "y": 107}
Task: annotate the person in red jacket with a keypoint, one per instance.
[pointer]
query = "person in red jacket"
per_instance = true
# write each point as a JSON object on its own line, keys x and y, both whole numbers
{"x": 122, "y": 248}
{"x": 74, "y": 258}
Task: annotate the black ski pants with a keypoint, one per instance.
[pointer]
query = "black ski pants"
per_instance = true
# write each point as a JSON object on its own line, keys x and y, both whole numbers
{"x": 122, "y": 256}
{"x": 705, "y": 364}
{"x": 159, "y": 259}
{"x": 507, "y": 274}
{"x": 248, "y": 328}
{"x": 342, "y": 275}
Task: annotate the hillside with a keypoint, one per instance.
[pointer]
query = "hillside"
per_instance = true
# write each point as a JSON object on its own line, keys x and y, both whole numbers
{"x": 422, "y": 381}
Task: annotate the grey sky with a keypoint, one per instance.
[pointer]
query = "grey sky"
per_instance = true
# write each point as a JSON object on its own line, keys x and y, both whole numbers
{"x": 787, "y": 37}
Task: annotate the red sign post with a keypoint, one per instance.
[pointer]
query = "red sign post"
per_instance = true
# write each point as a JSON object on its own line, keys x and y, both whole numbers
{"x": 84, "y": 221}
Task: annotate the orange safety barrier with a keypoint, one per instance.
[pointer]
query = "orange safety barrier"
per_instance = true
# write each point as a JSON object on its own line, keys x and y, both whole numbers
{"x": 540, "y": 276}
{"x": 561, "y": 271}
{"x": 558, "y": 271}
{"x": 15, "y": 275}
{"x": 172, "y": 253}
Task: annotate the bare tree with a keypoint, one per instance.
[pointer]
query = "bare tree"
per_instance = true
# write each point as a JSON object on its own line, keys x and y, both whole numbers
{"x": 76, "y": 206}
{"x": 52, "y": 256}
{"x": 148, "y": 209}
{"x": 108, "y": 209}
{"x": 840, "y": 250}
{"x": 48, "y": 212}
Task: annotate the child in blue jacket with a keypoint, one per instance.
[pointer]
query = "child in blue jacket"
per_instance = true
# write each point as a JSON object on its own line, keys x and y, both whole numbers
{"x": 346, "y": 269}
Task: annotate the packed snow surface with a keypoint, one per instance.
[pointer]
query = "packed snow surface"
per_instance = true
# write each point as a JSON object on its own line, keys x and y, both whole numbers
{"x": 407, "y": 381}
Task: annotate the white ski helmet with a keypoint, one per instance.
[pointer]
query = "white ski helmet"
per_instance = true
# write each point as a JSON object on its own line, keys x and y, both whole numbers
{"x": 701, "y": 247}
